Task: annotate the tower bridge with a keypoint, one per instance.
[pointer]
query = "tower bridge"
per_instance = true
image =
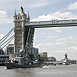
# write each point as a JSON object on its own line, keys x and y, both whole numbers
{"x": 24, "y": 29}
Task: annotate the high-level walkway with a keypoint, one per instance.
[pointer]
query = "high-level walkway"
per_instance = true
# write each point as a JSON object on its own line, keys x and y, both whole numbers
{"x": 52, "y": 23}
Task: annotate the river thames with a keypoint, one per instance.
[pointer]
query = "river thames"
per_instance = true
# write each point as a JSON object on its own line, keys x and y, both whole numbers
{"x": 54, "y": 71}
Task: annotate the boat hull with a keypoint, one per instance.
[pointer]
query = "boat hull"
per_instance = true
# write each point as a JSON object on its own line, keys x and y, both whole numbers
{"x": 12, "y": 65}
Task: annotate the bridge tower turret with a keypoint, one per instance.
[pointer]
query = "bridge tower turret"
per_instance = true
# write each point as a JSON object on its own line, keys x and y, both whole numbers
{"x": 28, "y": 17}
{"x": 23, "y": 23}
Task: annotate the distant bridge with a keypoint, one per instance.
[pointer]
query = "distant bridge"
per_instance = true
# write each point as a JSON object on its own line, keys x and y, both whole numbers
{"x": 52, "y": 23}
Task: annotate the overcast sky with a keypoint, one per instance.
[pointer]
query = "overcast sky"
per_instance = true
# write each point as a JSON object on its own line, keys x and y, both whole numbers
{"x": 55, "y": 41}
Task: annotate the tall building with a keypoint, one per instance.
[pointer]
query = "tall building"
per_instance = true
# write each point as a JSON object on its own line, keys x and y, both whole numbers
{"x": 1, "y": 52}
{"x": 10, "y": 49}
{"x": 35, "y": 54}
{"x": 43, "y": 56}
{"x": 22, "y": 35}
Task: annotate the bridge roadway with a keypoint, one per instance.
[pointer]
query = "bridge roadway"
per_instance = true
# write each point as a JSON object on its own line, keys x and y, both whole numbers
{"x": 52, "y": 23}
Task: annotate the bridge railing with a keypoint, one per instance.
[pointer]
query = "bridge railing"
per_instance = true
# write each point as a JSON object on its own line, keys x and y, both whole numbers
{"x": 52, "y": 22}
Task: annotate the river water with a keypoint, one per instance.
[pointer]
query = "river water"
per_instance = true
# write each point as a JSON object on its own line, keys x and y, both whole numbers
{"x": 54, "y": 71}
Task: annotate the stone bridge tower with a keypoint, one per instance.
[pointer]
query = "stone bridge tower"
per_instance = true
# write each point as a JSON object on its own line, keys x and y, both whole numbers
{"x": 22, "y": 35}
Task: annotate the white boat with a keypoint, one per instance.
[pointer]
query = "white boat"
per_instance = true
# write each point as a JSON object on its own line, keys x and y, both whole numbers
{"x": 45, "y": 66}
